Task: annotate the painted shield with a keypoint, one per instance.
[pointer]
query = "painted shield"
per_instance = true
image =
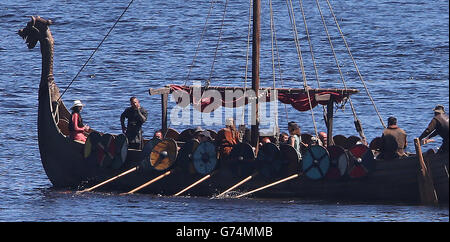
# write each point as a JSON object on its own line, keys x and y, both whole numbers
{"x": 205, "y": 158}
{"x": 171, "y": 134}
{"x": 121, "y": 145}
{"x": 164, "y": 154}
{"x": 268, "y": 160}
{"x": 338, "y": 162}
{"x": 106, "y": 151}
{"x": 242, "y": 159}
{"x": 242, "y": 152}
{"x": 290, "y": 159}
{"x": 316, "y": 162}
{"x": 361, "y": 161}
{"x": 90, "y": 147}
{"x": 147, "y": 150}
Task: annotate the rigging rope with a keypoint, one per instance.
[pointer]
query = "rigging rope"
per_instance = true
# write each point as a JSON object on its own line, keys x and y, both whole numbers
{"x": 356, "y": 66}
{"x": 217, "y": 46}
{"x": 272, "y": 31}
{"x": 199, "y": 42}
{"x": 95, "y": 50}
{"x": 299, "y": 53}
{"x": 279, "y": 68}
{"x": 357, "y": 122}
{"x": 312, "y": 55}
{"x": 247, "y": 57}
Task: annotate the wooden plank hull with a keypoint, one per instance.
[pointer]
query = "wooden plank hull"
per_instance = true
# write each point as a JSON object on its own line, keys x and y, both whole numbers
{"x": 62, "y": 159}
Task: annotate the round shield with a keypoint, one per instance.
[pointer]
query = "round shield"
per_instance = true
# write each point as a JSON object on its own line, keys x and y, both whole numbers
{"x": 171, "y": 134}
{"x": 361, "y": 161}
{"x": 340, "y": 140}
{"x": 290, "y": 160}
{"x": 164, "y": 154}
{"x": 205, "y": 158}
{"x": 268, "y": 160}
{"x": 185, "y": 135}
{"x": 351, "y": 141}
{"x": 90, "y": 145}
{"x": 338, "y": 162}
{"x": 121, "y": 144}
{"x": 242, "y": 152}
{"x": 315, "y": 162}
{"x": 106, "y": 150}
{"x": 242, "y": 159}
{"x": 185, "y": 155}
{"x": 146, "y": 151}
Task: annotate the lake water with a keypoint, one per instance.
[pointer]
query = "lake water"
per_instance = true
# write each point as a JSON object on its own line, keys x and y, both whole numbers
{"x": 401, "y": 48}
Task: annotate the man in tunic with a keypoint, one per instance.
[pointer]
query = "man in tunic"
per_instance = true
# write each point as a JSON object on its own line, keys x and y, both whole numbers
{"x": 438, "y": 125}
{"x": 227, "y": 138}
{"x": 136, "y": 116}
{"x": 393, "y": 141}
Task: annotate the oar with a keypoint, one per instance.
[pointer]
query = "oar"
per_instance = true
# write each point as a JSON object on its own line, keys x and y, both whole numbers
{"x": 193, "y": 184}
{"x": 237, "y": 184}
{"x": 109, "y": 180}
{"x": 269, "y": 185}
{"x": 149, "y": 182}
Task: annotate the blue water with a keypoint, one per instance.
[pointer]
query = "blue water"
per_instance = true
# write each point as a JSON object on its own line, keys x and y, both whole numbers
{"x": 401, "y": 48}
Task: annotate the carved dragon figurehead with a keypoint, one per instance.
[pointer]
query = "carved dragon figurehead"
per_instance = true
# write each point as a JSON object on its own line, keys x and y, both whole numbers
{"x": 36, "y": 30}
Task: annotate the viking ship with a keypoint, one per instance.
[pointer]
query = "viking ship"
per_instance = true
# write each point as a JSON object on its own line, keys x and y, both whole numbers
{"x": 345, "y": 170}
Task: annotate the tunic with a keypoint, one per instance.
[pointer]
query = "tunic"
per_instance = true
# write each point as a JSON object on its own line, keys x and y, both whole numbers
{"x": 393, "y": 142}
{"x": 438, "y": 125}
{"x": 134, "y": 127}
{"x": 76, "y": 128}
{"x": 225, "y": 139}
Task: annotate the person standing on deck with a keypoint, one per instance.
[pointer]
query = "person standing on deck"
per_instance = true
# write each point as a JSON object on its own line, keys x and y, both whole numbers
{"x": 295, "y": 139}
{"x": 438, "y": 125}
{"x": 76, "y": 126}
{"x": 136, "y": 116}
{"x": 393, "y": 141}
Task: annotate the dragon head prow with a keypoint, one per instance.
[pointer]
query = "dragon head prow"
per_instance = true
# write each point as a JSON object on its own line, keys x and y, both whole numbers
{"x": 35, "y": 31}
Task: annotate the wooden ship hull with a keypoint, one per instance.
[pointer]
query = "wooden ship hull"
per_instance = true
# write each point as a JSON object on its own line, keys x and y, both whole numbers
{"x": 390, "y": 181}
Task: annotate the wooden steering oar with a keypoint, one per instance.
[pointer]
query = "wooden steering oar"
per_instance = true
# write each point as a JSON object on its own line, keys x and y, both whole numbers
{"x": 109, "y": 180}
{"x": 269, "y": 185}
{"x": 149, "y": 182}
{"x": 237, "y": 185}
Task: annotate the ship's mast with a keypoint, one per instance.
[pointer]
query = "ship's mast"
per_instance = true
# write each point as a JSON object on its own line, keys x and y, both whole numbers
{"x": 255, "y": 70}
